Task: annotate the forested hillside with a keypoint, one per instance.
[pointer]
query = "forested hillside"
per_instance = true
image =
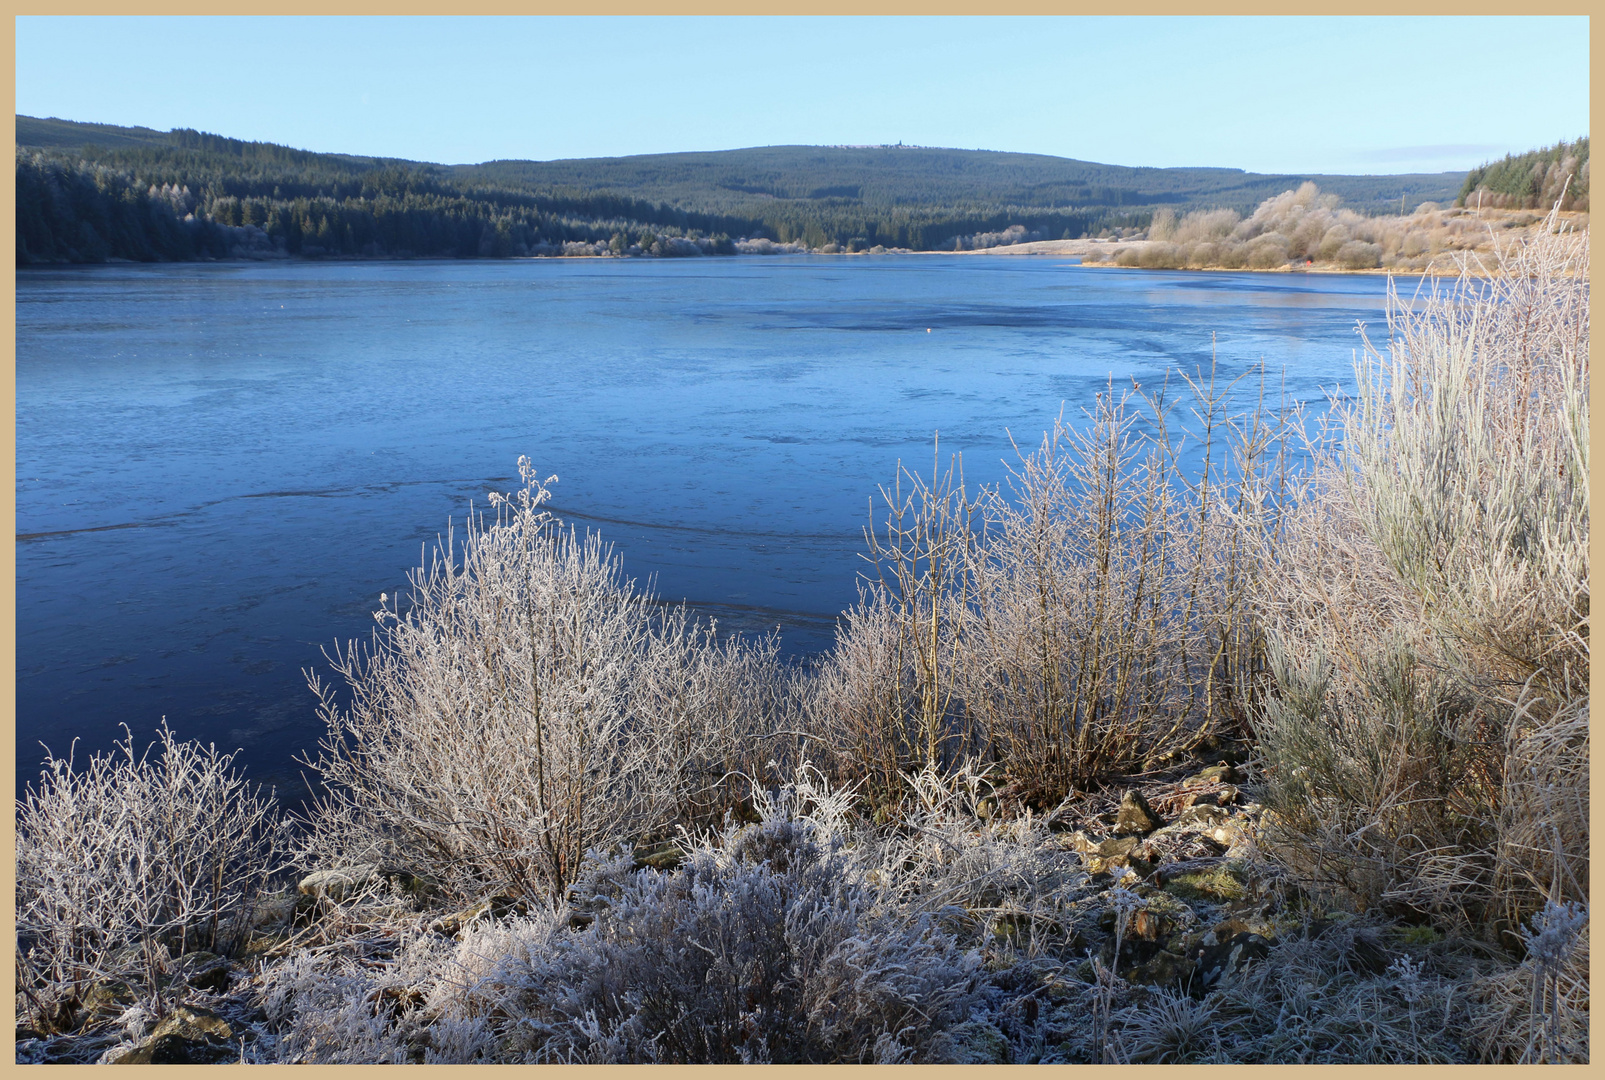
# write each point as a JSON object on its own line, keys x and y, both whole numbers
{"x": 88, "y": 192}
{"x": 1532, "y": 181}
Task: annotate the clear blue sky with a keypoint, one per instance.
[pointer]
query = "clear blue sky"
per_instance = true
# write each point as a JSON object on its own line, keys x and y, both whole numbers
{"x": 1378, "y": 95}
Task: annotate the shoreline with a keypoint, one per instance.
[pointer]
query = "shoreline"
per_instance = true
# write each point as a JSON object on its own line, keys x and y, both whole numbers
{"x": 1442, "y": 264}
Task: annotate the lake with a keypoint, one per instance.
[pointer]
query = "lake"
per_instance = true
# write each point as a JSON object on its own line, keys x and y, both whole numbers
{"x": 221, "y": 467}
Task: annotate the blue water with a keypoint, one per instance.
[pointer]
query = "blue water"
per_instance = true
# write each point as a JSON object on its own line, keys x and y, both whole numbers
{"x": 220, "y": 467}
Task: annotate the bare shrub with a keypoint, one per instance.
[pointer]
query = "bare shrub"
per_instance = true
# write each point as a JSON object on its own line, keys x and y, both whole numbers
{"x": 1358, "y": 255}
{"x": 131, "y": 861}
{"x": 1202, "y": 225}
{"x": 1096, "y": 623}
{"x": 1162, "y": 255}
{"x": 1429, "y": 617}
{"x": 764, "y": 246}
{"x": 885, "y": 698}
{"x": 1078, "y": 662}
{"x": 1268, "y": 251}
{"x": 1205, "y": 253}
{"x": 530, "y": 705}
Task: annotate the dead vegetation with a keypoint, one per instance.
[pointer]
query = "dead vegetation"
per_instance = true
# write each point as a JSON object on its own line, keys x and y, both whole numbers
{"x": 1306, "y": 229}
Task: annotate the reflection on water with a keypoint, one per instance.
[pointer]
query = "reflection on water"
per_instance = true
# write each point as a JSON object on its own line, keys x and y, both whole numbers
{"x": 221, "y": 467}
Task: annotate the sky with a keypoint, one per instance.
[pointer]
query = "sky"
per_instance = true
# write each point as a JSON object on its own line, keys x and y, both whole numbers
{"x": 1281, "y": 95}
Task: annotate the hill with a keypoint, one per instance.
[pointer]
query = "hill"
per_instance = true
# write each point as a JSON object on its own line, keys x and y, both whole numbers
{"x": 126, "y": 183}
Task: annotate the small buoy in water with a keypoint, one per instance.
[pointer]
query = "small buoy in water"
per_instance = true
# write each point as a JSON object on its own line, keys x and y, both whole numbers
{"x": 927, "y": 329}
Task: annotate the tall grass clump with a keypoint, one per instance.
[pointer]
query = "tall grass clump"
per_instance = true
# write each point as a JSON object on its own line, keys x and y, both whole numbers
{"x": 1428, "y": 617}
{"x": 128, "y": 863}
{"x": 529, "y": 705}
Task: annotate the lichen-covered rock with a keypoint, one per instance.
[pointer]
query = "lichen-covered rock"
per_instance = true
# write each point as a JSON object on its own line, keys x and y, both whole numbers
{"x": 665, "y": 856}
{"x": 1218, "y": 823}
{"x": 1079, "y": 841}
{"x": 1135, "y": 817}
{"x": 339, "y": 883}
{"x": 1159, "y": 916}
{"x": 1117, "y": 855}
{"x": 105, "y": 1000}
{"x": 189, "y": 1035}
{"x": 1220, "y": 883}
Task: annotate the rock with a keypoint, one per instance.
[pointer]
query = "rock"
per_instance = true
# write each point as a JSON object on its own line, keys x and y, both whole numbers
{"x": 497, "y": 906}
{"x": 1118, "y": 845}
{"x": 1135, "y": 817}
{"x": 1224, "y": 749}
{"x": 1246, "y": 923}
{"x": 1215, "y": 774}
{"x": 274, "y": 910}
{"x": 204, "y": 971}
{"x": 1159, "y": 917}
{"x": 1217, "y": 964}
{"x": 212, "y": 976}
{"x": 105, "y": 1000}
{"x": 189, "y": 1035}
{"x": 346, "y": 881}
{"x": 340, "y": 883}
{"x": 1225, "y": 796}
{"x": 662, "y": 857}
{"x": 1164, "y": 968}
{"x": 1079, "y": 841}
{"x": 1218, "y": 883}
{"x": 1215, "y": 822}
{"x": 1116, "y": 855}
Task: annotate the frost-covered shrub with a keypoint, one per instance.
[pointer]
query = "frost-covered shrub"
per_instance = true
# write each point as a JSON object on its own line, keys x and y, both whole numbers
{"x": 766, "y": 944}
{"x": 133, "y": 860}
{"x": 1428, "y": 609}
{"x": 1358, "y": 255}
{"x": 529, "y": 705}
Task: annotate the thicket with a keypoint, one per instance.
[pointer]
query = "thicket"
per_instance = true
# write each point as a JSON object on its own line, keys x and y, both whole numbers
{"x": 700, "y": 854}
{"x": 1306, "y": 226}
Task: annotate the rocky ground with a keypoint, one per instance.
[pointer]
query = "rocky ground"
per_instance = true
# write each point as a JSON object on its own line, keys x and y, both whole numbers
{"x": 1175, "y": 900}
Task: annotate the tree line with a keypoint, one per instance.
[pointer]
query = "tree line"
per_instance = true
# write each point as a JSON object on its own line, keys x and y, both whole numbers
{"x": 87, "y": 193}
{"x": 1536, "y": 180}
